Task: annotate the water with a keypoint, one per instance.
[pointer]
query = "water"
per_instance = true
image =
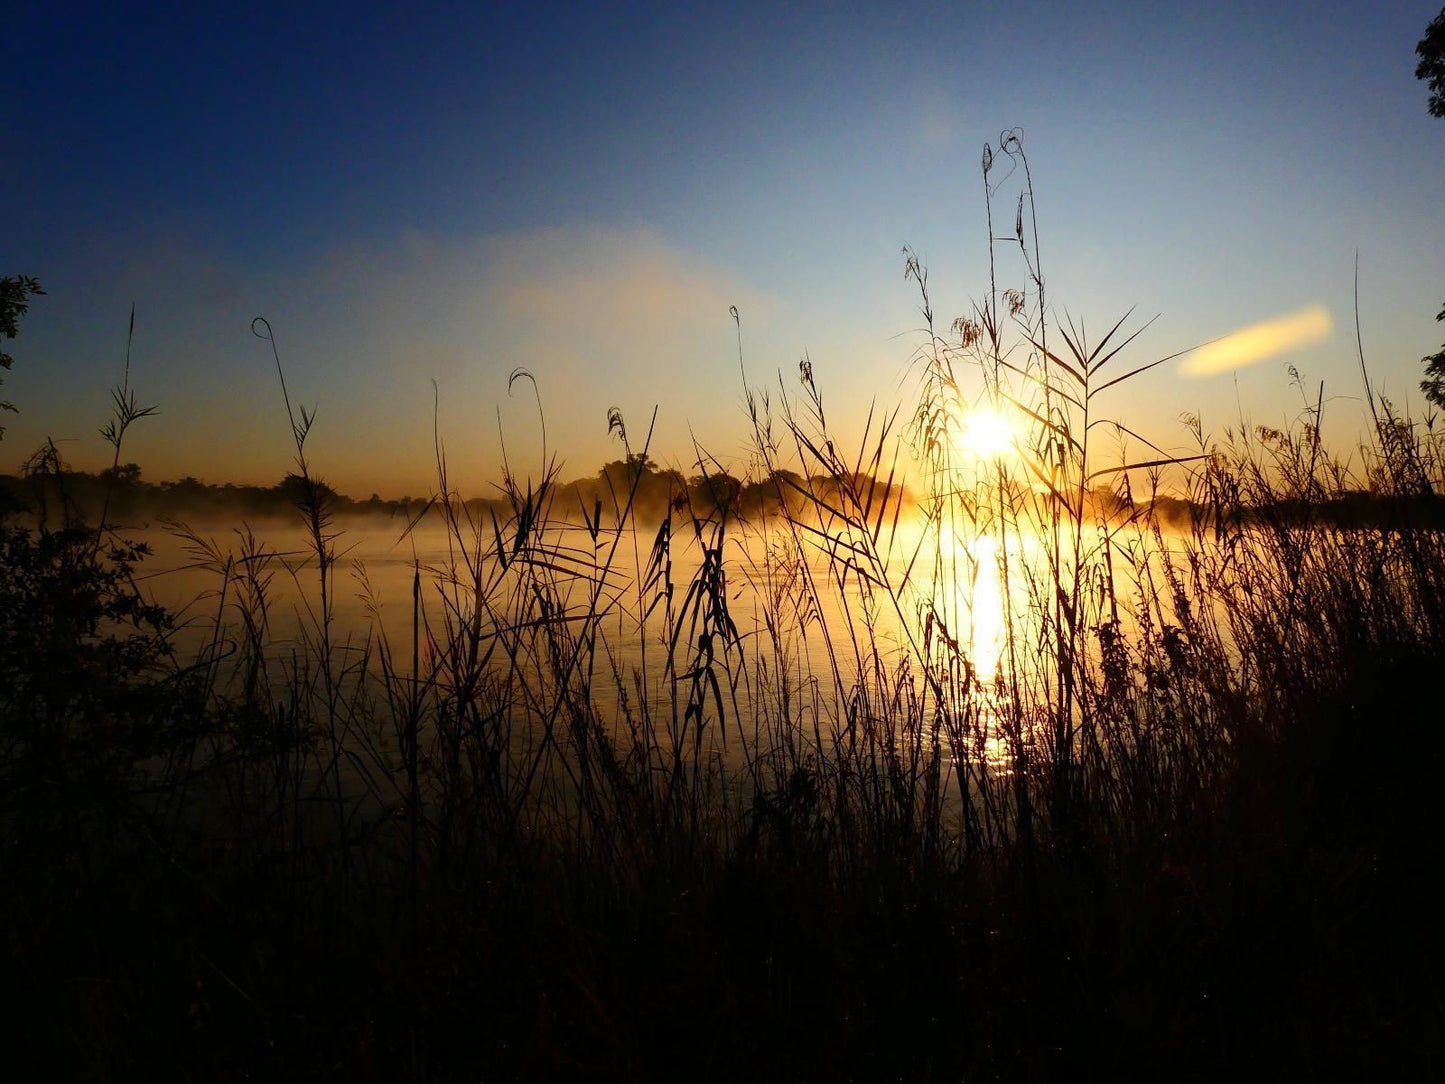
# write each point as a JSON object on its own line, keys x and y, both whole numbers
{"x": 817, "y": 647}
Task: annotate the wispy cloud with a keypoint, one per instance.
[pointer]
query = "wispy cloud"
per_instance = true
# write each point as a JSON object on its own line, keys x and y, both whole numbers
{"x": 1260, "y": 342}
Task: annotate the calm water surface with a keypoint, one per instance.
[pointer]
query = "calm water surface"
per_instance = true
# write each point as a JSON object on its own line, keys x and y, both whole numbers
{"x": 957, "y": 596}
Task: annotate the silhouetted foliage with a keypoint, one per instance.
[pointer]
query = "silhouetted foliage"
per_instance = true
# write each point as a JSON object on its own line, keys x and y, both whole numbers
{"x": 15, "y": 292}
{"x": 88, "y": 697}
{"x": 131, "y": 497}
{"x": 1431, "y": 51}
{"x": 715, "y": 490}
{"x": 1434, "y": 383}
{"x": 296, "y": 490}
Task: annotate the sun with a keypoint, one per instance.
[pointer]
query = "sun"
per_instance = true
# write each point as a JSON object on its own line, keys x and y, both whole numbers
{"x": 987, "y": 433}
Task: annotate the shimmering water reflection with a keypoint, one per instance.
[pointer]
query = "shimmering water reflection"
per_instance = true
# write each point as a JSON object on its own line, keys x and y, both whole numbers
{"x": 810, "y": 633}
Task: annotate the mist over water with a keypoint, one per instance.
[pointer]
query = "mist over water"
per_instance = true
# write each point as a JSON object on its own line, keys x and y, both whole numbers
{"x": 377, "y": 563}
{"x": 806, "y": 632}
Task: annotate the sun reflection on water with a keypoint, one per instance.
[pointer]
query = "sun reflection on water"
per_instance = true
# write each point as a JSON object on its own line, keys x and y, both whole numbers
{"x": 988, "y": 627}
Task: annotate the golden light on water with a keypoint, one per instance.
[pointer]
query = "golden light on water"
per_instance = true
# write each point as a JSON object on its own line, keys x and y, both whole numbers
{"x": 1260, "y": 342}
{"x": 986, "y": 612}
{"x": 987, "y": 433}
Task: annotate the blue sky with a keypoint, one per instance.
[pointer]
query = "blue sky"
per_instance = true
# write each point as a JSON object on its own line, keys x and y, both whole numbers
{"x": 446, "y": 192}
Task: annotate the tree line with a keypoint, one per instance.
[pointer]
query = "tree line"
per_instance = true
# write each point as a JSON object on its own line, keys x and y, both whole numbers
{"x": 127, "y": 497}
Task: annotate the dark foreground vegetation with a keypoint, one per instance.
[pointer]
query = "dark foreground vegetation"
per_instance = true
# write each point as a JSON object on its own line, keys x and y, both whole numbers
{"x": 1186, "y": 828}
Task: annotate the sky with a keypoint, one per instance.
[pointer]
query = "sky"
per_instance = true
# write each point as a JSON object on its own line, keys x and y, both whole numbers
{"x": 423, "y": 198}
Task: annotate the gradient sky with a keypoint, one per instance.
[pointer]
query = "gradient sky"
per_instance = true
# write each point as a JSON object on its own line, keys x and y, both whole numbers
{"x": 447, "y": 192}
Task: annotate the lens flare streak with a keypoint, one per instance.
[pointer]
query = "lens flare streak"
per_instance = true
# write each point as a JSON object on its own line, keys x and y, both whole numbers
{"x": 1260, "y": 342}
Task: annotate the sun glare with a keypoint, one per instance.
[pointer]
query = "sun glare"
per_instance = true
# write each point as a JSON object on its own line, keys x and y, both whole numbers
{"x": 987, "y": 433}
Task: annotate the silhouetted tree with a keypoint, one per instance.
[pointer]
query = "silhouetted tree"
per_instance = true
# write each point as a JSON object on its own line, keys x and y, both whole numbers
{"x": 15, "y": 293}
{"x": 651, "y": 485}
{"x": 782, "y": 490}
{"x": 716, "y": 490}
{"x": 125, "y": 475}
{"x": 623, "y": 472}
{"x": 299, "y": 491}
{"x": 1434, "y": 383}
{"x": 1431, "y": 51}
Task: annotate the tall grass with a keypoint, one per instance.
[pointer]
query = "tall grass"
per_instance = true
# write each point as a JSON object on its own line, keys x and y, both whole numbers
{"x": 801, "y": 830}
